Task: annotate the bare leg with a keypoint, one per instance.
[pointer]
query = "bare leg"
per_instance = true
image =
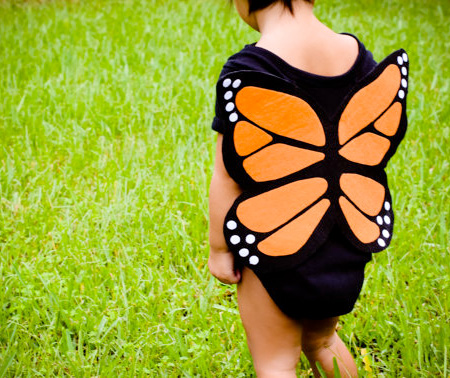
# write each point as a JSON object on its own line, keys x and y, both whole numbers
{"x": 321, "y": 344}
{"x": 273, "y": 338}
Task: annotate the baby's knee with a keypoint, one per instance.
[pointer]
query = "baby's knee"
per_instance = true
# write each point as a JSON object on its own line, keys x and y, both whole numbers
{"x": 280, "y": 364}
{"x": 274, "y": 372}
{"x": 313, "y": 342}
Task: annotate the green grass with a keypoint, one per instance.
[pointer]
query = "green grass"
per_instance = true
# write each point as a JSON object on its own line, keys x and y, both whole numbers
{"x": 105, "y": 158}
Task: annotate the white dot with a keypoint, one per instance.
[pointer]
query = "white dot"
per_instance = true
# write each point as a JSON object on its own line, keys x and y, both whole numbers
{"x": 235, "y": 239}
{"x": 253, "y": 260}
{"x": 228, "y": 95}
{"x": 233, "y": 117}
{"x": 226, "y": 83}
{"x": 231, "y": 225}
{"x": 387, "y": 220}
{"x": 243, "y": 252}
{"x": 250, "y": 239}
{"x": 401, "y": 93}
{"x": 405, "y": 57}
{"x": 386, "y": 233}
{"x": 404, "y": 83}
{"x": 236, "y": 83}
{"x": 229, "y": 107}
{"x": 387, "y": 206}
{"x": 399, "y": 60}
{"x": 404, "y": 71}
{"x": 379, "y": 220}
{"x": 381, "y": 243}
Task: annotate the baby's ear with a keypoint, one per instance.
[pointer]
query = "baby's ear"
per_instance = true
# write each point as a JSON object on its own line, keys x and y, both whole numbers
{"x": 246, "y": 10}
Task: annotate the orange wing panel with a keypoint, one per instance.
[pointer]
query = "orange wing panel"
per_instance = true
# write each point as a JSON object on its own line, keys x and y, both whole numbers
{"x": 248, "y": 138}
{"x": 282, "y": 114}
{"x": 367, "y": 149}
{"x": 269, "y": 210}
{"x": 365, "y": 230}
{"x": 369, "y": 103}
{"x": 290, "y": 238}
{"x": 389, "y": 122}
{"x": 365, "y": 193}
{"x": 279, "y": 160}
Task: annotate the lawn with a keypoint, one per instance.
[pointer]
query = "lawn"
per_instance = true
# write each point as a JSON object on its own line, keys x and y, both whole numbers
{"x": 106, "y": 154}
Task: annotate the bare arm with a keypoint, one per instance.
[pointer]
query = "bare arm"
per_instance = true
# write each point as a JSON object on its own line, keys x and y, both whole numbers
{"x": 222, "y": 193}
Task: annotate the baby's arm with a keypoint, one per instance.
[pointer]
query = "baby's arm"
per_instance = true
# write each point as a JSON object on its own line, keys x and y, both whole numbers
{"x": 222, "y": 193}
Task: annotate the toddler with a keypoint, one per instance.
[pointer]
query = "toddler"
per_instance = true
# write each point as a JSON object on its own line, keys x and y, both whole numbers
{"x": 306, "y": 123}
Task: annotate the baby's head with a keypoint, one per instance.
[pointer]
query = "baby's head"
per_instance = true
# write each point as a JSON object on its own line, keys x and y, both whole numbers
{"x": 247, "y": 8}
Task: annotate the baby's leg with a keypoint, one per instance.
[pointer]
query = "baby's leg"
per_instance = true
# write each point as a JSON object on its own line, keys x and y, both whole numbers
{"x": 321, "y": 343}
{"x": 273, "y": 338}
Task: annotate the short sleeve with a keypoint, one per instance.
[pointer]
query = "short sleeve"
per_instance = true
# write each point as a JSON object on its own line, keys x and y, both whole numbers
{"x": 243, "y": 60}
{"x": 219, "y": 122}
{"x": 218, "y": 125}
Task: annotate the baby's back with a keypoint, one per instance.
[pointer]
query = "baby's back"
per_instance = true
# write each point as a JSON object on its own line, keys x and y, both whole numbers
{"x": 329, "y": 91}
{"x": 325, "y": 54}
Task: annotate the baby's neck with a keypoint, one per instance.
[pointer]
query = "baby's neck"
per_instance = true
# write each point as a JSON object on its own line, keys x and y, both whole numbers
{"x": 303, "y": 41}
{"x": 277, "y": 20}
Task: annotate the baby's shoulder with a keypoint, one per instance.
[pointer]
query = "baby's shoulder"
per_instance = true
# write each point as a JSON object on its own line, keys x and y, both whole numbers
{"x": 250, "y": 58}
{"x": 259, "y": 59}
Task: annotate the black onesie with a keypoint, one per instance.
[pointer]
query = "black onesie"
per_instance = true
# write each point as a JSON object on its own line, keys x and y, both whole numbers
{"x": 329, "y": 281}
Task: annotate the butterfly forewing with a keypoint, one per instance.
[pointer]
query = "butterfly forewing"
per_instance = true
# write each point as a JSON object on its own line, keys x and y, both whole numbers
{"x": 369, "y": 103}
{"x": 274, "y": 134}
{"x": 389, "y": 122}
{"x": 369, "y": 127}
{"x": 281, "y": 114}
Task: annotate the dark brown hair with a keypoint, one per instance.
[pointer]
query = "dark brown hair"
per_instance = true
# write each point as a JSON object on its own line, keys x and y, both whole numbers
{"x": 255, "y": 5}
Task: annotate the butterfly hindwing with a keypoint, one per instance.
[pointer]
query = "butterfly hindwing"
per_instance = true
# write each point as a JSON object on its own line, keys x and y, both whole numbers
{"x": 366, "y": 214}
{"x": 281, "y": 223}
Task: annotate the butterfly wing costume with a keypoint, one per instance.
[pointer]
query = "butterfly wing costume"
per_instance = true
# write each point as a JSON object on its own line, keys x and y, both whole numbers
{"x": 303, "y": 171}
